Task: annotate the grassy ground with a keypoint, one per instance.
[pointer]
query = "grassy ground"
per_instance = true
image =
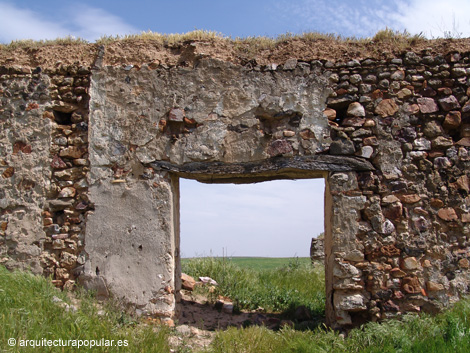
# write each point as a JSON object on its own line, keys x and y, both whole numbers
{"x": 28, "y": 311}
{"x": 292, "y": 283}
{"x": 260, "y": 263}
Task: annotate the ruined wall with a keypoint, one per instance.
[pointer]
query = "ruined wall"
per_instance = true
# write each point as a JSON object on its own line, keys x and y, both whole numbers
{"x": 105, "y": 147}
{"x": 43, "y": 195}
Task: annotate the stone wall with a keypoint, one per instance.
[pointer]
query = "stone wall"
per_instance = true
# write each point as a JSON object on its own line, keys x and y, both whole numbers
{"x": 410, "y": 118}
{"x": 44, "y": 143}
{"x": 91, "y": 160}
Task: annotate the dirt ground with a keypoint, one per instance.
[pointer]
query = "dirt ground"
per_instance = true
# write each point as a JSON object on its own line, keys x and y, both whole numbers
{"x": 199, "y": 320}
{"x": 138, "y": 51}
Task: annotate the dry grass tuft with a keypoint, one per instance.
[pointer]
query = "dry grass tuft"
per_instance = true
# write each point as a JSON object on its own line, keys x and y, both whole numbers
{"x": 173, "y": 38}
{"x": 32, "y": 44}
{"x": 388, "y": 35}
{"x": 250, "y": 43}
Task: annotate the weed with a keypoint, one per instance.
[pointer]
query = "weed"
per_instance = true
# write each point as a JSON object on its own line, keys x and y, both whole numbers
{"x": 281, "y": 290}
{"x": 31, "y": 44}
{"x": 28, "y": 311}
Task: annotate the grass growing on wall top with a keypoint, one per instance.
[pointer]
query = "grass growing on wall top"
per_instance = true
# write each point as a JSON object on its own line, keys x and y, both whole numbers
{"x": 247, "y": 44}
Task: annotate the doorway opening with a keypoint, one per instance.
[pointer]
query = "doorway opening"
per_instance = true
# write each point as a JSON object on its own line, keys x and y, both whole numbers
{"x": 250, "y": 230}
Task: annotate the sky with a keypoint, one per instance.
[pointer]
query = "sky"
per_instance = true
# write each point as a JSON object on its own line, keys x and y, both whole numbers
{"x": 49, "y": 19}
{"x": 267, "y": 219}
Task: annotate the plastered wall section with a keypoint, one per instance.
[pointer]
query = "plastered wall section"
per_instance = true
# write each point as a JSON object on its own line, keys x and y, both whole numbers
{"x": 215, "y": 112}
{"x": 25, "y": 137}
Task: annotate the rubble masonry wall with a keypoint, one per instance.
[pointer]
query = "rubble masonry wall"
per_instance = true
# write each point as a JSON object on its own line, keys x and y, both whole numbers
{"x": 91, "y": 157}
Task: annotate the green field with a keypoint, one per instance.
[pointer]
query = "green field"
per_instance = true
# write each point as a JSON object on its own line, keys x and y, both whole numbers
{"x": 278, "y": 285}
{"x": 261, "y": 263}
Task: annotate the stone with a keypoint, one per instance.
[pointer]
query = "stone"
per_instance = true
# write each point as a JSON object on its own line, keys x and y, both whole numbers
{"x": 422, "y": 144}
{"x": 394, "y": 211}
{"x": 427, "y": 105}
{"x": 434, "y": 287}
{"x": 464, "y": 142}
{"x": 350, "y": 302}
{"x": 464, "y": 263}
{"x": 288, "y": 133}
{"x": 411, "y": 285}
{"x": 411, "y": 108}
{"x": 449, "y": 103}
{"x": 355, "y": 79}
{"x": 404, "y": 93}
{"x": 354, "y": 255}
{"x": 345, "y": 270}
{"x": 8, "y": 173}
{"x": 317, "y": 250}
{"x": 330, "y": 114}
{"x": 420, "y": 223}
{"x": 176, "y": 115}
{"x": 68, "y": 260}
{"x": 397, "y": 273}
{"x": 426, "y": 264}
{"x": 466, "y": 107}
{"x": 390, "y": 199}
{"x": 58, "y": 163}
{"x": 409, "y": 263}
{"x": 398, "y": 75}
{"x": 279, "y": 147}
{"x": 307, "y": 134}
{"x": 452, "y": 120}
{"x": 20, "y": 146}
{"x": 187, "y": 282}
{"x": 290, "y": 64}
{"x": 227, "y": 308}
{"x": 442, "y": 162}
{"x": 356, "y": 109}
{"x": 436, "y": 203}
{"x": 370, "y": 141}
{"x": 208, "y": 280}
{"x": 409, "y": 198}
{"x": 67, "y": 192}
{"x": 386, "y": 107}
{"x": 433, "y": 129}
{"x": 353, "y": 121}
{"x": 73, "y": 152}
{"x": 389, "y": 305}
{"x": 447, "y": 214}
{"x": 412, "y": 58}
{"x": 442, "y": 142}
{"x": 338, "y": 102}
{"x": 465, "y": 130}
{"x": 365, "y": 152}
{"x": 342, "y": 147}
{"x": 386, "y": 228}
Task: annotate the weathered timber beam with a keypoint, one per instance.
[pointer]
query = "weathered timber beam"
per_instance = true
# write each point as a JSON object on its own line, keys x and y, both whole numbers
{"x": 299, "y": 167}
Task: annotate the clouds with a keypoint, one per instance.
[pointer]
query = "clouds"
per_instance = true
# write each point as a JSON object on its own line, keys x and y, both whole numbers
{"x": 434, "y": 18}
{"x": 361, "y": 18}
{"x": 17, "y": 23}
{"x": 81, "y": 21}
